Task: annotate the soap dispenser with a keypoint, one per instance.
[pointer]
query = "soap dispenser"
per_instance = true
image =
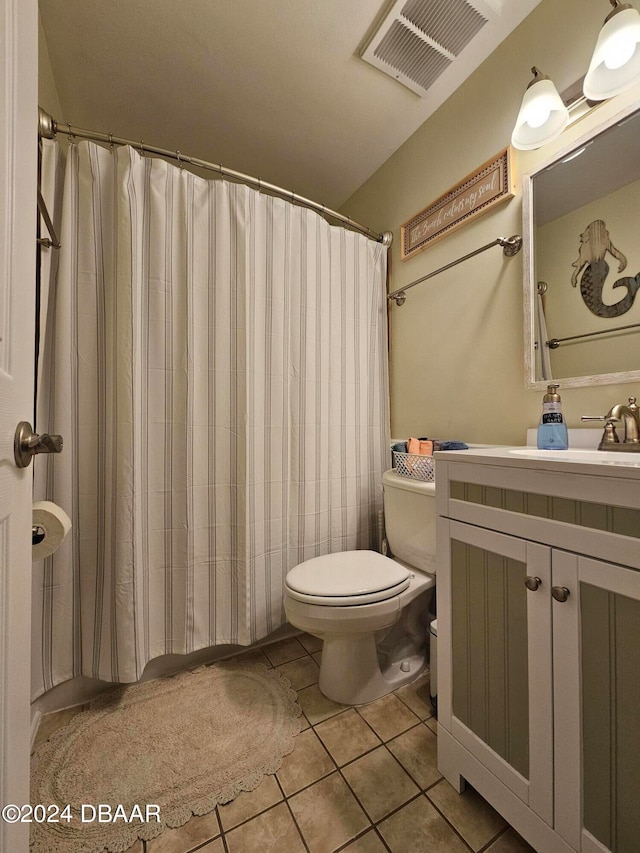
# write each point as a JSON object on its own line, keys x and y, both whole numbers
{"x": 552, "y": 430}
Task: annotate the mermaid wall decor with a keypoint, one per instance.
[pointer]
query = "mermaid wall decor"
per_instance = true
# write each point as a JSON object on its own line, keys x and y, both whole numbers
{"x": 594, "y": 245}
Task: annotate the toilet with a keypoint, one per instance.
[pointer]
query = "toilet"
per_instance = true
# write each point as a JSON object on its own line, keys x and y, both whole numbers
{"x": 371, "y": 610}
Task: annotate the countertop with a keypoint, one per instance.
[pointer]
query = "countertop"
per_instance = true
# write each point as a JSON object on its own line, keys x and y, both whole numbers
{"x": 574, "y": 461}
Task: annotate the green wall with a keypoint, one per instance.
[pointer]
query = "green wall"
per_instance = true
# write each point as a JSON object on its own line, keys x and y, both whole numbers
{"x": 457, "y": 352}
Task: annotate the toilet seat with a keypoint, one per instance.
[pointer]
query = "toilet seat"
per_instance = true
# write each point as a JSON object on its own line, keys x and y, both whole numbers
{"x": 347, "y": 579}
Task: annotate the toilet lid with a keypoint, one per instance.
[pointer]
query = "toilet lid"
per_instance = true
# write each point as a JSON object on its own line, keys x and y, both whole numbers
{"x": 348, "y": 578}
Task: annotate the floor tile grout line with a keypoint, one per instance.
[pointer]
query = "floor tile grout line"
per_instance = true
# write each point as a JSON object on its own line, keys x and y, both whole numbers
{"x": 358, "y": 801}
{"x": 286, "y": 800}
{"x": 279, "y": 784}
{"x": 285, "y": 796}
{"x": 495, "y": 838}
{"x": 324, "y": 776}
{"x": 258, "y": 813}
{"x": 421, "y": 792}
{"x": 419, "y": 722}
{"x": 204, "y": 844}
{"x": 443, "y": 815}
{"x": 223, "y": 832}
{"x": 408, "y": 802}
{"x": 373, "y": 825}
{"x": 386, "y": 744}
{"x": 421, "y": 788}
{"x": 305, "y": 653}
{"x": 427, "y": 672}
{"x": 370, "y": 828}
{"x": 358, "y": 757}
{"x": 397, "y": 809}
{"x": 372, "y": 822}
{"x": 417, "y": 797}
{"x": 357, "y": 708}
{"x": 362, "y": 754}
{"x": 377, "y": 734}
{"x": 310, "y": 785}
{"x": 297, "y": 826}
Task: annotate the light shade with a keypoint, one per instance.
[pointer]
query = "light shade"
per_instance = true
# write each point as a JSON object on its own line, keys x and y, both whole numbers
{"x": 615, "y": 64}
{"x": 542, "y": 116}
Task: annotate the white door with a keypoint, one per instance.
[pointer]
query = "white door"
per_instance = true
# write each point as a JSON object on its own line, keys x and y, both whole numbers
{"x": 18, "y": 161}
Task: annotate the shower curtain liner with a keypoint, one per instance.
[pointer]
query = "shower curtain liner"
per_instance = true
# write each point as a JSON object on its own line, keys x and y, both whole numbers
{"x": 216, "y": 361}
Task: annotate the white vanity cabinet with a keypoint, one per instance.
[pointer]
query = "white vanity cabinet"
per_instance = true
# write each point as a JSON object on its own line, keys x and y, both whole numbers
{"x": 539, "y": 643}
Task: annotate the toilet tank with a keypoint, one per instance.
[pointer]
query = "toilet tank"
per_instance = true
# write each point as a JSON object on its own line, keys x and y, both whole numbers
{"x": 410, "y": 520}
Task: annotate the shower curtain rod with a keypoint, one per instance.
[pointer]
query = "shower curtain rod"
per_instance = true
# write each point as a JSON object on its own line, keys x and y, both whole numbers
{"x": 510, "y": 247}
{"x": 48, "y": 127}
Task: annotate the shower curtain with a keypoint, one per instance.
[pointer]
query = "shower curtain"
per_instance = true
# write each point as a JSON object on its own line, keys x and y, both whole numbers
{"x": 216, "y": 361}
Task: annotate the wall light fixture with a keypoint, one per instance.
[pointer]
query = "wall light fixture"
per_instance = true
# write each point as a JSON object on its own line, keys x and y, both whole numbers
{"x": 614, "y": 67}
{"x": 615, "y": 64}
{"x": 542, "y": 116}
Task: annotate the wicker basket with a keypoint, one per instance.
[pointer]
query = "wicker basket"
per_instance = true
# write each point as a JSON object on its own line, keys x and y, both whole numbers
{"x": 416, "y": 466}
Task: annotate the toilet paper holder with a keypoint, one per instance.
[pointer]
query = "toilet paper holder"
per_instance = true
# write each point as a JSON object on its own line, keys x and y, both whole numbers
{"x": 27, "y": 444}
{"x": 49, "y": 527}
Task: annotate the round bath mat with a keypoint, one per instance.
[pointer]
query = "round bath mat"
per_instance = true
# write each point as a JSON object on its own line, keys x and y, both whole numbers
{"x": 148, "y": 756}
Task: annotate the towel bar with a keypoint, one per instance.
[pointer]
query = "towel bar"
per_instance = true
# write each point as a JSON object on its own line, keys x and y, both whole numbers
{"x": 510, "y": 247}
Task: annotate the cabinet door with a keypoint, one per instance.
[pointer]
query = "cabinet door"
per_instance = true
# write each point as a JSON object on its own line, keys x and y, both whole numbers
{"x": 596, "y": 635}
{"x": 494, "y": 670}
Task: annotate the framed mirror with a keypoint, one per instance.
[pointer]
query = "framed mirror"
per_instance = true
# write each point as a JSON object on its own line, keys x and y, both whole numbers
{"x": 581, "y": 230}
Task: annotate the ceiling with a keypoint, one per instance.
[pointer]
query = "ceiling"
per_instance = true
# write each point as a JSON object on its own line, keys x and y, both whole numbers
{"x": 272, "y": 88}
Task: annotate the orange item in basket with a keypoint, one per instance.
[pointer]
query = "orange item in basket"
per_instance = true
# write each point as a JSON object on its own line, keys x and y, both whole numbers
{"x": 413, "y": 445}
{"x": 421, "y": 447}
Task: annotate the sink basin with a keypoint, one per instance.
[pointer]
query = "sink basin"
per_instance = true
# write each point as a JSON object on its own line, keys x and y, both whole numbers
{"x": 607, "y": 457}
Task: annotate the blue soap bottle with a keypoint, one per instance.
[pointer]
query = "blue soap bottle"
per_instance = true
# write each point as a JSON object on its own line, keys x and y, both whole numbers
{"x": 552, "y": 430}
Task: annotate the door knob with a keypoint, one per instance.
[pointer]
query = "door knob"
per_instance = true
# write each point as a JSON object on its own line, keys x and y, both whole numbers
{"x": 560, "y": 593}
{"x": 532, "y": 583}
{"x": 27, "y": 444}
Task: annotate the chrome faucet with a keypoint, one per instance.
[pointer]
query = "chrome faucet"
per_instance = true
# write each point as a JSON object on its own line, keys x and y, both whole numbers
{"x": 630, "y": 417}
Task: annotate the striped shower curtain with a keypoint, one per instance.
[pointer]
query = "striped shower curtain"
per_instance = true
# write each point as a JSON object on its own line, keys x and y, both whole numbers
{"x": 216, "y": 361}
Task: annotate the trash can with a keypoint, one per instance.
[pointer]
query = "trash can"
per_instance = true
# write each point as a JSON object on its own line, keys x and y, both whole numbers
{"x": 433, "y": 660}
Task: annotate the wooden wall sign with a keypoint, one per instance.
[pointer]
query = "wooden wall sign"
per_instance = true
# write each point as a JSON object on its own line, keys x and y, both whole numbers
{"x": 478, "y": 192}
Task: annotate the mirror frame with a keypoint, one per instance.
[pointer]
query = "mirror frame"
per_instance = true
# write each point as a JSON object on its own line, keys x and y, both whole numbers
{"x": 529, "y": 273}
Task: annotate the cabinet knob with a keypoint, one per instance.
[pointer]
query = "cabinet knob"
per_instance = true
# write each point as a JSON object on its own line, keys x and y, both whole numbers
{"x": 532, "y": 583}
{"x": 560, "y": 593}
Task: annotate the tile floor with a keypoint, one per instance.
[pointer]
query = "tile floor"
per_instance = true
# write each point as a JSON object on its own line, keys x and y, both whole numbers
{"x": 360, "y": 780}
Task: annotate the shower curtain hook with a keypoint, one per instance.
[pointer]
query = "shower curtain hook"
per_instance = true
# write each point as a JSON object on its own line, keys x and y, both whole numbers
{"x": 142, "y": 147}
{"x": 259, "y": 185}
{"x": 111, "y": 141}
{"x": 71, "y": 134}
{"x": 179, "y": 159}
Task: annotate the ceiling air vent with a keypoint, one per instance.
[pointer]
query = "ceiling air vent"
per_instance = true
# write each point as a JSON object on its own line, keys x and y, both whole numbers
{"x": 419, "y": 39}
